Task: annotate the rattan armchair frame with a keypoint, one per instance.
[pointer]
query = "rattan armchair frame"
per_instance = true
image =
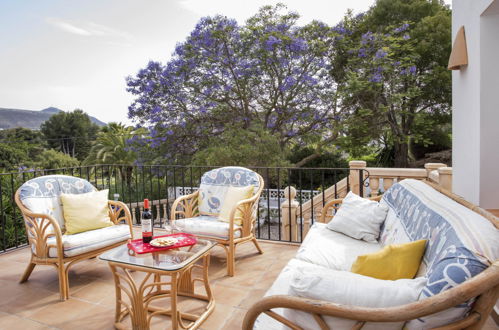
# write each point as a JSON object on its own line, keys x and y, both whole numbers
{"x": 41, "y": 227}
{"x": 187, "y": 207}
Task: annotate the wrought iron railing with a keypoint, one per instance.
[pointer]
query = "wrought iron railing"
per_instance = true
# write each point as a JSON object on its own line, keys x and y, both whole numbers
{"x": 162, "y": 184}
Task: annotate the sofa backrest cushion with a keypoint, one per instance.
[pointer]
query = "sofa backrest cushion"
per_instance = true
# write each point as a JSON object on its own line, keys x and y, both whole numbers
{"x": 461, "y": 243}
{"x": 215, "y": 183}
{"x": 42, "y": 194}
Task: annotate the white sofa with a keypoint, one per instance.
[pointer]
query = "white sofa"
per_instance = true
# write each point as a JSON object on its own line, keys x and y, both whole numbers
{"x": 461, "y": 244}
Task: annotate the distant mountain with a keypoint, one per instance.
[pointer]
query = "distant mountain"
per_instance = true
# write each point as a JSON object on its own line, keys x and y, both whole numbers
{"x": 32, "y": 119}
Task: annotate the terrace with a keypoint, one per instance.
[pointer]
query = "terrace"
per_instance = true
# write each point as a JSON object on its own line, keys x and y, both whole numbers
{"x": 283, "y": 221}
{"x": 291, "y": 202}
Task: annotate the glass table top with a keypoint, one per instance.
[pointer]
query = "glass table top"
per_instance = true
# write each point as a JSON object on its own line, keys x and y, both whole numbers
{"x": 169, "y": 260}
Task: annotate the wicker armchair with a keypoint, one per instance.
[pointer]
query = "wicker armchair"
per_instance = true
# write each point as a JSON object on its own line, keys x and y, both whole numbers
{"x": 198, "y": 214}
{"x": 39, "y": 202}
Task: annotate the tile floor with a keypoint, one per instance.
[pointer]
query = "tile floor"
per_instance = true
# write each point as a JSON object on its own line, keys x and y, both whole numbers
{"x": 35, "y": 304}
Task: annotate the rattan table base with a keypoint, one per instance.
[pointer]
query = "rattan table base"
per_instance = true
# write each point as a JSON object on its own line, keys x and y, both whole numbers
{"x": 141, "y": 293}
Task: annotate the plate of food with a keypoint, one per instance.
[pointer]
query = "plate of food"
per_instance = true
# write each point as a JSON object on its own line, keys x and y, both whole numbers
{"x": 163, "y": 241}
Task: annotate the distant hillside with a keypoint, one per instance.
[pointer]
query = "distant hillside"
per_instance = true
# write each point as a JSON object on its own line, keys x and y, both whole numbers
{"x": 32, "y": 119}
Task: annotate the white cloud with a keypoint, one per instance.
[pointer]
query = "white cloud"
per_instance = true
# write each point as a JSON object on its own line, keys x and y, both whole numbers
{"x": 68, "y": 27}
{"x": 86, "y": 28}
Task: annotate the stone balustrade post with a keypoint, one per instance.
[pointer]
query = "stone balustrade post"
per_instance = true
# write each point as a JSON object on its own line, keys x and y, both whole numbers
{"x": 387, "y": 183}
{"x": 374, "y": 185}
{"x": 445, "y": 178}
{"x": 288, "y": 215}
{"x": 432, "y": 167}
{"x": 356, "y": 175}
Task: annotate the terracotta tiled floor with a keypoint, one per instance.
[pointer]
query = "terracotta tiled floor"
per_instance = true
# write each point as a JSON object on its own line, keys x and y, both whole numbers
{"x": 35, "y": 304}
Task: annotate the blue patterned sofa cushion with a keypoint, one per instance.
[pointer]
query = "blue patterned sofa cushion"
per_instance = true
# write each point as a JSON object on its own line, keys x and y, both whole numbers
{"x": 461, "y": 243}
{"x": 41, "y": 195}
{"x": 215, "y": 183}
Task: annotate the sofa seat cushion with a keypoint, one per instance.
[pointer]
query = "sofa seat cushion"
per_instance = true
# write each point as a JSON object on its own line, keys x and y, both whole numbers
{"x": 92, "y": 240}
{"x": 279, "y": 287}
{"x": 342, "y": 287}
{"x": 461, "y": 242}
{"x": 331, "y": 249}
{"x": 351, "y": 289}
{"x": 206, "y": 226}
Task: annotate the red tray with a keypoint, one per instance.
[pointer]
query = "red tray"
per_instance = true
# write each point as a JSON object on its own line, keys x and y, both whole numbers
{"x": 139, "y": 247}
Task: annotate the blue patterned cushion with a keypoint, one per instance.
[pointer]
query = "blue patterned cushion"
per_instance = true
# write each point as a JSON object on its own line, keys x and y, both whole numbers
{"x": 461, "y": 243}
{"x": 41, "y": 195}
{"x": 215, "y": 183}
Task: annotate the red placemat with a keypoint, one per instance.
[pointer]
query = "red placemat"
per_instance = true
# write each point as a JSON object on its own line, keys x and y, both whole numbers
{"x": 184, "y": 240}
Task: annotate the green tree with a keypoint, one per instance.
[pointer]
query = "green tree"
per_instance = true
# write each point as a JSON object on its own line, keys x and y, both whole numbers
{"x": 19, "y": 147}
{"x": 49, "y": 159}
{"x": 70, "y": 132}
{"x": 110, "y": 146}
{"x": 243, "y": 147}
{"x": 397, "y": 84}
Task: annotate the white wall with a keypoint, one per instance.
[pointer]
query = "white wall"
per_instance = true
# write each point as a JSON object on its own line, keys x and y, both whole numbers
{"x": 489, "y": 107}
{"x": 475, "y": 95}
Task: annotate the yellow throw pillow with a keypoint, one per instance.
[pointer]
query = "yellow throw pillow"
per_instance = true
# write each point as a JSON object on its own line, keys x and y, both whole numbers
{"x": 393, "y": 262}
{"x": 83, "y": 212}
{"x": 232, "y": 197}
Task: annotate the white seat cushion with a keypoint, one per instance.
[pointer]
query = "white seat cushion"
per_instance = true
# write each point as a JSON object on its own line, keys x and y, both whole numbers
{"x": 331, "y": 249}
{"x": 91, "y": 240}
{"x": 205, "y": 225}
{"x": 347, "y": 288}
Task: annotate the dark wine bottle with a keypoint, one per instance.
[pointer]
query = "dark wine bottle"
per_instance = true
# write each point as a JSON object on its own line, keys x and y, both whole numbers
{"x": 146, "y": 221}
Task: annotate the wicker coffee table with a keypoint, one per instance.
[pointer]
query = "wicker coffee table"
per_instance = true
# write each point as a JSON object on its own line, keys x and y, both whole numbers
{"x": 168, "y": 275}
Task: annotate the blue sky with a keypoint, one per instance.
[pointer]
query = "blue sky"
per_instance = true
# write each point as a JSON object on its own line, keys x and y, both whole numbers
{"x": 76, "y": 54}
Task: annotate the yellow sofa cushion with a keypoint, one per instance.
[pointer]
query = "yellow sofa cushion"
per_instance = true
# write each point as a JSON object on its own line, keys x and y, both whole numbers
{"x": 84, "y": 212}
{"x": 393, "y": 262}
{"x": 232, "y": 197}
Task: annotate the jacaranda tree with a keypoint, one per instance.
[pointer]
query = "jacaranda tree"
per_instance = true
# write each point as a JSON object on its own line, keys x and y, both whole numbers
{"x": 268, "y": 74}
{"x": 377, "y": 79}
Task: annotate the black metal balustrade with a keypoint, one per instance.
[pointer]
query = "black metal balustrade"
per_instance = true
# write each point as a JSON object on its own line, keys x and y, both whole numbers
{"x": 162, "y": 184}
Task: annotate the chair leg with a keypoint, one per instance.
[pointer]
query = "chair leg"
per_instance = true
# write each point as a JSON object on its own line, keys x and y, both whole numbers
{"x": 63, "y": 282}
{"x": 257, "y": 245}
{"x": 27, "y": 272}
{"x": 231, "y": 259}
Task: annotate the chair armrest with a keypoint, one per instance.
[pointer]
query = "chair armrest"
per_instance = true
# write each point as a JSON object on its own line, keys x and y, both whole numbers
{"x": 118, "y": 212}
{"x": 246, "y": 207}
{"x": 38, "y": 231}
{"x": 485, "y": 286}
{"x": 39, "y": 228}
{"x": 335, "y": 204}
{"x": 188, "y": 206}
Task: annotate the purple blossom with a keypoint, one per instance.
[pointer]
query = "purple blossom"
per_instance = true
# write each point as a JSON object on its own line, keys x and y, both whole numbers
{"x": 406, "y": 37}
{"x": 362, "y": 52}
{"x": 376, "y": 78}
{"x": 401, "y": 28}
{"x": 156, "y": 109}
{"x": 298, "y": 45}
{"x": 380, "y": 54}
{"x": 412, "y": 69}
{"x": 367, "y": 38}
{"x": 340, "y": 28}
{"x": 271, "y": 42}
